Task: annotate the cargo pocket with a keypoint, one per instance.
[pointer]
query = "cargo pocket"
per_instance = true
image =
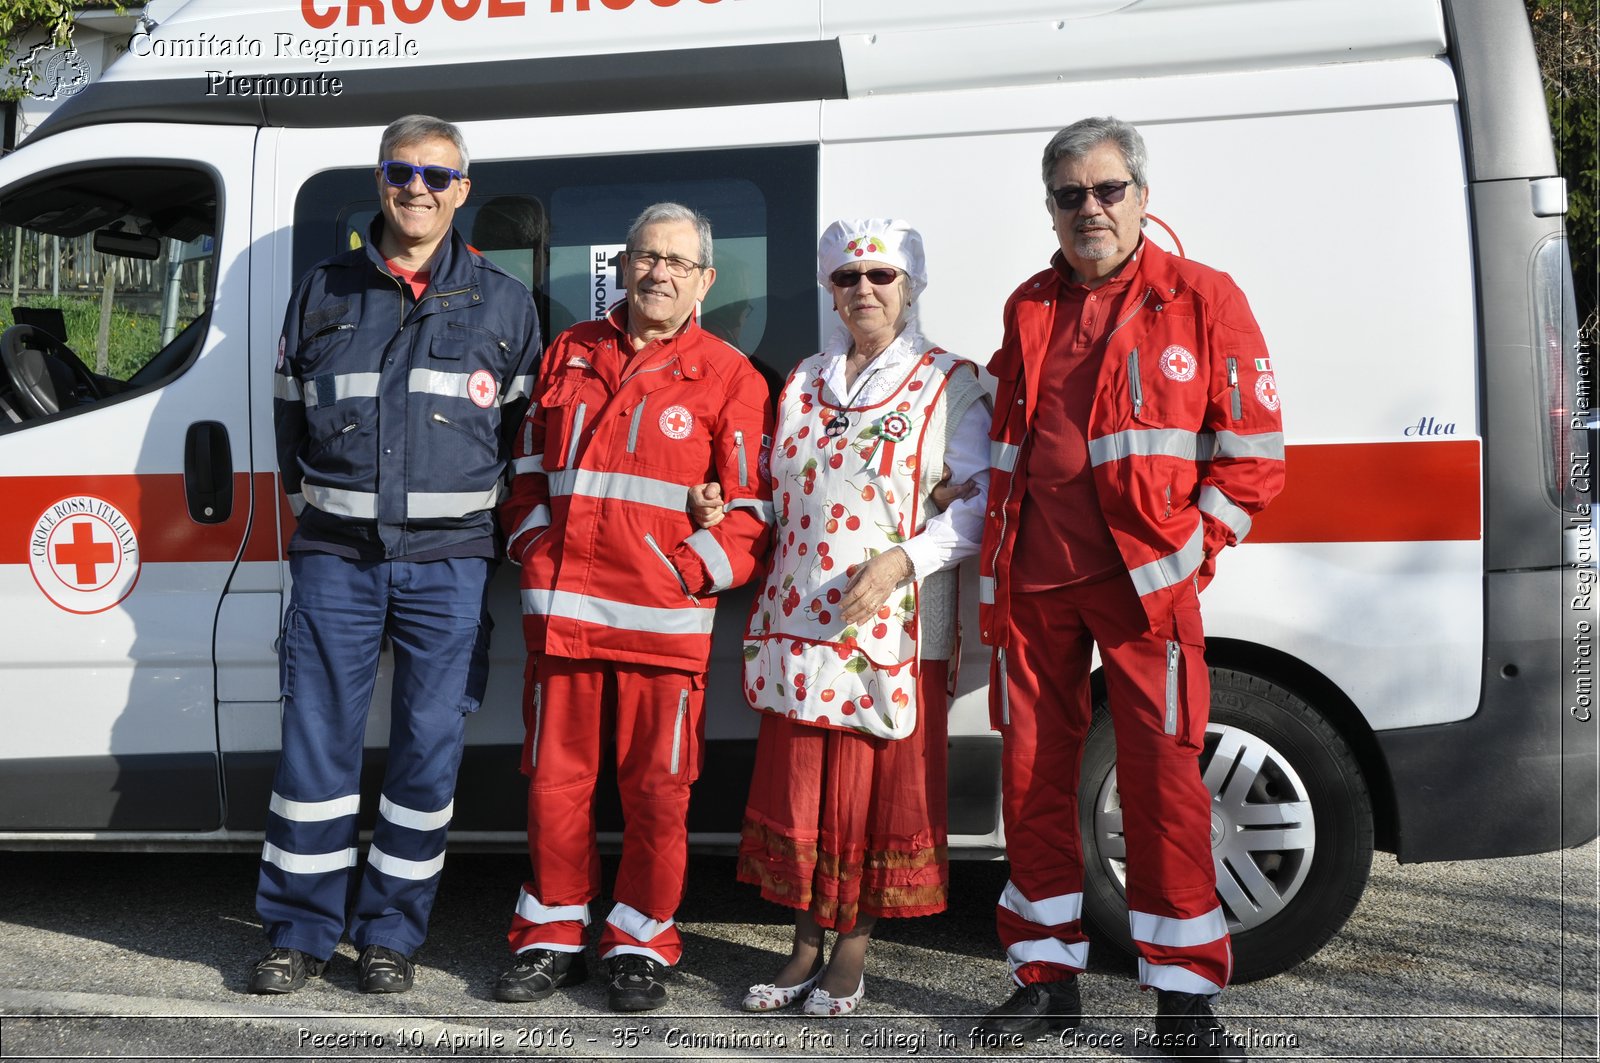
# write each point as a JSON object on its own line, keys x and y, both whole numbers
{"x": 288, "y": 642}
{"x": 1188, "y": 682}
{"x": 478, "y": 668}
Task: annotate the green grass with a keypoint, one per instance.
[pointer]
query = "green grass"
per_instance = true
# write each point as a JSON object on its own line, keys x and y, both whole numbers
{"x": 134, "y": 338}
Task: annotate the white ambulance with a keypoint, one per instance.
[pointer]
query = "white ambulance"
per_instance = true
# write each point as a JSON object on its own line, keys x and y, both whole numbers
{"x": 1401, "y": 650}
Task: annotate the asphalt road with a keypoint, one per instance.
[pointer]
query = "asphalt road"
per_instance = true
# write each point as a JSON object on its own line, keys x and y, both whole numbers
{"x": 144, "y": 956}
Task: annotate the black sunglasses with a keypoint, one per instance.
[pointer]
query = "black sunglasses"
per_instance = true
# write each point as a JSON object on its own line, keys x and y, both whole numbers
{"x": 1105, "y": 193}
{"x": 399, "y": 174}
{"x": 849, "y": 278}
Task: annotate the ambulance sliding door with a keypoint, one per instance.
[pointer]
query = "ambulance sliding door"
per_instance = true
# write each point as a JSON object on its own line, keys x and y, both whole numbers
{"x": 124, "y": 469}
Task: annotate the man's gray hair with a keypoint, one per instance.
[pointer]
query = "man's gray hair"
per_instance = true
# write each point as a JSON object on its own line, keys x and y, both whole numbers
{"x": 417, "y": 127}
{"x": 1080, "y": 138}
{"x": 658, "y": 212}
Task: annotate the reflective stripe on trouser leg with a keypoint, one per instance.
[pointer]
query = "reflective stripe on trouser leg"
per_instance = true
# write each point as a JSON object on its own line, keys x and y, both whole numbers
{"x": 539, "y": 926}
{"x": 438, "y": 626}
{"x": 1166, "y": 808}
{"x": 328, "y": 661}
{"x": 1047, "y": 676}
{"x": 660, "y": 742}
{"x": 575, "y": 713}
{"x": 629, "y": 931}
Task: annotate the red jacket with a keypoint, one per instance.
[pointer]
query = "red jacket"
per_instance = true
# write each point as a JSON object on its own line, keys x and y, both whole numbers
{"x": 612, "y": 567}
{"x": 1184, "y": 433}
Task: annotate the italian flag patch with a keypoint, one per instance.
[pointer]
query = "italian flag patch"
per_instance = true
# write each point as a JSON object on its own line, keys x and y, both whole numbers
{"x": 1263, "y": 365}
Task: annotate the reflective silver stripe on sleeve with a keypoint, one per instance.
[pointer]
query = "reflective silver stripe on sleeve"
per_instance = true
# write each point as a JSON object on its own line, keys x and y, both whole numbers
{"x": 1268, "y": 445}
{"x": 1144, "y": 442}
{"x": 519, "y": 388}
{"x": 433, "y": 382}
{"x": 985, "y": 590}
{"x": 450, "y": 503}
{"x": 1172, "y": 569}
{"x": 410, "y": 818}
{"x": 762, "y": 510}
{"x": 1220, "y": 506}
{"x": 624, "y": 487}
{"x": 1173, "y": 933}
{"x": 346, "y": 386}
{"x": 1175, "y": 979}
{"x": 1047, "y": 911}
{"x": 395, "y": 867}
{"x": 533, "y": 464}
{"x": 314, "y": 811}
{"x": 1003, "y": 456}
{"x": 363, "y": 505}
{"x": 715, "y": 557}
{"x": 692, "y": 620}
{"x": 308, "y": 863}
{"x": 538, "y": 517}
{"x": 286, "y": 388}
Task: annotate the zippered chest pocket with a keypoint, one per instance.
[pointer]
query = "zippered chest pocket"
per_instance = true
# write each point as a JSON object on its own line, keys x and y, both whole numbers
{"x": 566, "y": 403}
{"x": 460, "y": 341}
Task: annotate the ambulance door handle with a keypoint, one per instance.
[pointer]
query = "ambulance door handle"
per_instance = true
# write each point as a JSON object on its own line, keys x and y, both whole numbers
{"x": 208, "y": 473}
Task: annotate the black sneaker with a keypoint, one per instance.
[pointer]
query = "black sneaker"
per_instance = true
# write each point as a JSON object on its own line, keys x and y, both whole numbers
{"x": 383, "y": 970}
{"x": 1034, "y": 1009}
{"x": 538, "y": 973}
{"x": 1186, "y": 1028}
{"x": 284, "y": 971}
{"x": 636, "y": 983}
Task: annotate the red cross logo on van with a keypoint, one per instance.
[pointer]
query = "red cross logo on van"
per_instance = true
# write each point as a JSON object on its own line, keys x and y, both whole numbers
{"x": 84, "y": 554}
{"x": 481, "y": 388}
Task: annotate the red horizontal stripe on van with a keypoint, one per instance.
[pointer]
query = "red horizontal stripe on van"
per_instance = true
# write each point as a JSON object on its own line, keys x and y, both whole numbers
{"x": 156, "y": 505}
{"x": 1422, "y": 491}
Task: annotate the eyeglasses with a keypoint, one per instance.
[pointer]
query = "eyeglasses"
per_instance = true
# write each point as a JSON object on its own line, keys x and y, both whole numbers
{"x": 1105, "y": 193}
{"x": 645, "y": 261}
{"x": 399, "y": 174}
{"x": 849, "y": 278}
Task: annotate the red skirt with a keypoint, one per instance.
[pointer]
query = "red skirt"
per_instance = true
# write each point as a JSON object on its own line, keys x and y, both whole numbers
{"x": 845, "y": 824}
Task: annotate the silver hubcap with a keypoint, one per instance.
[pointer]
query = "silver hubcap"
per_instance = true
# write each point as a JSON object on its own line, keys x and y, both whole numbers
{"x": 1262, "y": 833}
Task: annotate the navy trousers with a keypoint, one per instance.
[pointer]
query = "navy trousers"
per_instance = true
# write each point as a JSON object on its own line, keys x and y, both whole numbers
{"x": 313, "y": 886}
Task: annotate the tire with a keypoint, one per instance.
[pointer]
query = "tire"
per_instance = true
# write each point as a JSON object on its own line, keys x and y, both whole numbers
{"x": 1287, "y": 880}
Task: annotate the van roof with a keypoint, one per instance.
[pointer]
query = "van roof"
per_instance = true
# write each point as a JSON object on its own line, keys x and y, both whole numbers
{"x": 360, "y": 62}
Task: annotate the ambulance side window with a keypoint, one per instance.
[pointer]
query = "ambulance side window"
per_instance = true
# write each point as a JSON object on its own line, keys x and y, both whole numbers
{"x": 557, "y": 225}
{"x": 106, "y": 275}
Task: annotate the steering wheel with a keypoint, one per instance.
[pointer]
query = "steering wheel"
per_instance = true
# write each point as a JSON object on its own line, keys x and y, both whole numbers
{"x": 28, "y": 353}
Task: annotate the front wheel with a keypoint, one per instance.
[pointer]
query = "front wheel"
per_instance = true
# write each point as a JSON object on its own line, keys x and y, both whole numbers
{"x": 1291, "y": 825}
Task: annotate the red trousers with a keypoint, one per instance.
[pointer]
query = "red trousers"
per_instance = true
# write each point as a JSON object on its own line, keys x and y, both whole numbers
{"x": 655, "y": 720}
{"x": 1159, "y": 694}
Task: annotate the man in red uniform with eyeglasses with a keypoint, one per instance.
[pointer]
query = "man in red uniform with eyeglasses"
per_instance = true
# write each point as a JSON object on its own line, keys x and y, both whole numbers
{"x": 1136, "y": 432}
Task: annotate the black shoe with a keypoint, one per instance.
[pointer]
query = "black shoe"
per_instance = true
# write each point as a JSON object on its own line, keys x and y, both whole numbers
{"x": 1185, "y": 1027}
{"x": 538, "y": 973}
{"x": 636, "y": 983}
{"x": 284, "y": 971}
{"x": 1034, "y": 1009}
{"x": 383, "y": 970}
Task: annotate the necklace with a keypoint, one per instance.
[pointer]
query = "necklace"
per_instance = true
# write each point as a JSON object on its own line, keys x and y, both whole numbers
{"x": 838, "y": 424}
